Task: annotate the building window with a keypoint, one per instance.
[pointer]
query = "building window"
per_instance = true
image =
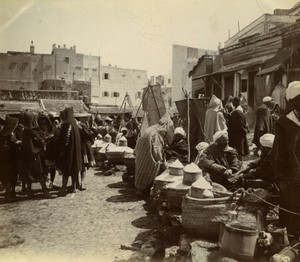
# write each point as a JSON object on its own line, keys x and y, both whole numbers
{"x": 123, "y": 75}
{"x": 115, "y": 94}
{"x": 94, "y": 69}
{"x": 23, "y": 66}
{"x": 67, "y": 60}
{"x": 106, "y": 76}
{"x": 139, "y": 77}
{"x": 78, "y": 68}
{"x": 138, "y": 95}
{"x": 105, "y": 94}
{"x": 12, "y": 66}
{"x": 169, "y": 80}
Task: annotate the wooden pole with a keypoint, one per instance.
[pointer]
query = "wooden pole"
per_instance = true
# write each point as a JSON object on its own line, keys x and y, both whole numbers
{"x": 188, "y": 129}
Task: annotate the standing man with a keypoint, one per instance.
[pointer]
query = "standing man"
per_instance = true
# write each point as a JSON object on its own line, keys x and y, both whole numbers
{"x": 238, "y": 129}
{"x": 264, "y": 122}
{"x": 286, "y": 152}
{"x": 214, "y": 118}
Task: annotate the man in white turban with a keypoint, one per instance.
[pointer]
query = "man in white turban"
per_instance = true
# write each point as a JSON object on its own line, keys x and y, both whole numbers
{"x": 220, "y": 161}
{"x": 286, "y": 151}
{"x": 179, "y": 147}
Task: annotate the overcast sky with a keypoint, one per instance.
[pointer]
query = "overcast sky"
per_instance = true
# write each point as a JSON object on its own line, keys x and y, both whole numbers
{"x": 135, "y": 34}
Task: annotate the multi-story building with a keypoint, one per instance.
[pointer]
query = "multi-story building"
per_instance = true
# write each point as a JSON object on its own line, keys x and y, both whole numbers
{"x": 66, "y": 69}
{"x": 117, "y": 82}
{"x": 184, "y": 58}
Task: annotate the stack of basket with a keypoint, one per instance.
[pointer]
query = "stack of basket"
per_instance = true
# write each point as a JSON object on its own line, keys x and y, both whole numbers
{"x": 177, "y": 190}
{"x": 173, "y": 173}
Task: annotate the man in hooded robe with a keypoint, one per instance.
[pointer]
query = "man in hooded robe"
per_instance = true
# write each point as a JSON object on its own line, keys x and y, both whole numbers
{"x": 286, "y": 152}
{"x": 8, "y": 149}
{"x": 149, "y": 153}
{"x": 214, "y": 118}
{"x": 69, "y": 159}
{"x": 33, "y": 144}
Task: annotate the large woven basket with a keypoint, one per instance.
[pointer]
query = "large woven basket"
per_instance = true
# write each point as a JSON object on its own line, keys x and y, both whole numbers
{"x": 202, "y": 217}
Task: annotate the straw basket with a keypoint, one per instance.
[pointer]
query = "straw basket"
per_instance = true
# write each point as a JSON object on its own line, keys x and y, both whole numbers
{"x": 175, "y": 195}
{"x": 202, "y": 217}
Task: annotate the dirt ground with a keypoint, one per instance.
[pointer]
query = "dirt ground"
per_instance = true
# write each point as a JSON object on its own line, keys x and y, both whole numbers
{"x": 88, "y": 225}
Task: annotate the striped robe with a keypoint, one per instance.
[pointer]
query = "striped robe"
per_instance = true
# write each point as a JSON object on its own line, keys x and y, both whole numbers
{"x": 148, "y": 153}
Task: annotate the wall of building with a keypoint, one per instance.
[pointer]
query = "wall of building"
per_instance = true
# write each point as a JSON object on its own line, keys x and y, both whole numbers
{"x": 261, "y": 26}
{"x": 115, "y": 82}
{"x": 183, "y": 60}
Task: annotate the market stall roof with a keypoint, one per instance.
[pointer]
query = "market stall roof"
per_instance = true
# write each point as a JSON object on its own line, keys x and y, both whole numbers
{"x": 54, "y": 106}
{"x": 16, "y": 107}
{"x": 238, "y": 66}
{"x": 269, "y": 70}
{"x": 108, "y": 109}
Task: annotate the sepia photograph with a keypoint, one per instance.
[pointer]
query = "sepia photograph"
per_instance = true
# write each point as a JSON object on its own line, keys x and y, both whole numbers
{"x": 149, "y": 130}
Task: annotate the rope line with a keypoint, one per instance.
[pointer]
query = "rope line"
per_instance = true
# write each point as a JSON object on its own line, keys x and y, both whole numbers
{"x": 270, "y": 204}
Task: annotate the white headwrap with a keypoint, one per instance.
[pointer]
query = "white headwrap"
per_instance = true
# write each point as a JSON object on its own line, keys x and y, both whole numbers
{"x": 202, "y": 146}
{"x": 219, "y": 134}
{"x": 267, "y": 140}
{"x": 179, "y": 130}
{"x": 293, "y": 90}
{"x": 267, "y": 99}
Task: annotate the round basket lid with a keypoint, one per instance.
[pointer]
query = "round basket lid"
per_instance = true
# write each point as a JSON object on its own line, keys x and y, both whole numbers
{"x": 202, "y": 183}
{"x": 192, "y": 168}
{"x": 167, "y": 177}
{"x": 176, "y": 164}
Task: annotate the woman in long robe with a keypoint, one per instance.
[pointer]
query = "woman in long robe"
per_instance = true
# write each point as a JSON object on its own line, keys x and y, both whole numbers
{"x": 69, "y": 159}
{"x": 8, "y": 148}
{"x": 33, "y": 144}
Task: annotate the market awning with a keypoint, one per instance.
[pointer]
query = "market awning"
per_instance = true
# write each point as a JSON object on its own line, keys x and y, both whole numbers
{"x": 268, "y": 70}
{"x": 16, "y": 107}
{"x": 54, "y": 106}
{"x": 108, "y": 110}
{"x": 237, "y": 66}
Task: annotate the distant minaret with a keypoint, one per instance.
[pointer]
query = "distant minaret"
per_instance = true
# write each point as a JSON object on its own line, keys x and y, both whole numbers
{"x": 31, "y": 48}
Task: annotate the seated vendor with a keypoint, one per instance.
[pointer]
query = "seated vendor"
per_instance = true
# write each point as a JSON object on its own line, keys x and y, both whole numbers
{"x": 261, "y": 170}
{"x": 179, "y": 147}
{"x": 220, "y": 161}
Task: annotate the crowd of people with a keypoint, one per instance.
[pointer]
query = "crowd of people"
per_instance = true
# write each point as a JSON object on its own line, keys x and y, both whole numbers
{"x": 276, "y": 137}
{"x": 35, "y": 147}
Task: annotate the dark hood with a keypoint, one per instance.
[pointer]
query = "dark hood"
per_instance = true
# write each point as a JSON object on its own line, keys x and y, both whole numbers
{"x": 67, "y": 115}
{"x": 9, "y": 126}
{"x": 30, "y": 120}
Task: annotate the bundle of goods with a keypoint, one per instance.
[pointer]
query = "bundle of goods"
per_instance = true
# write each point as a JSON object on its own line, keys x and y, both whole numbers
{"x": 203, "y": 211}
{"x": 115, "y": 155}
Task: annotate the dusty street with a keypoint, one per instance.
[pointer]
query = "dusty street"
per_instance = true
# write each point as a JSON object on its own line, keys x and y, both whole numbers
{"x": 86, "y": 226}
